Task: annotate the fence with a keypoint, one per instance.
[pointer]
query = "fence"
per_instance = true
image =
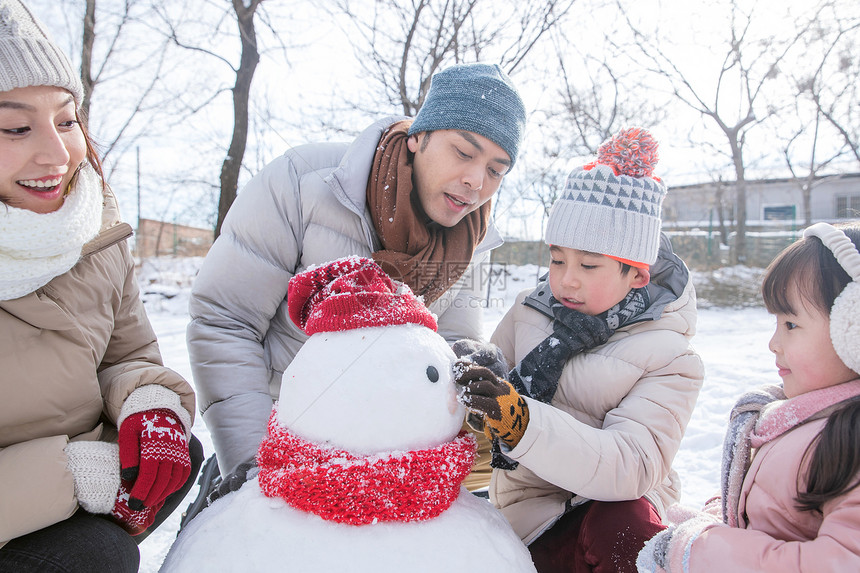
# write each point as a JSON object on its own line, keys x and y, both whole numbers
{"x": 159, "y": 238}
{"x": 701, "y": 250}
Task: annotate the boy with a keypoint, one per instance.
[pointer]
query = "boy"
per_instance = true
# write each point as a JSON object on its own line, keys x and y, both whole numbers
{"x": 585, "y": 432}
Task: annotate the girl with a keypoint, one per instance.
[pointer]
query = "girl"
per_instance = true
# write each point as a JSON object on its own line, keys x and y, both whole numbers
{"x": 94, "y": 430}
{"x": 791, "y": 461}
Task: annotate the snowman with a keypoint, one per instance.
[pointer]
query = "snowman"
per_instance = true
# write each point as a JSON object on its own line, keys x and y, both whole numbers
{"x": 362, "y": 466}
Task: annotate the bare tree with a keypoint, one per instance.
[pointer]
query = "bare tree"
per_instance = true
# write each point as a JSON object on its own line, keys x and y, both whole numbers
{"x": 136, "y": 56}
{"x": 244, "y": 12}
{"x": 806, "y": 172}
{"x": 737, "y": 101}
{"x": 833, "y": 84}
{"x": 590, "y": 101}
{"x": 597, "y": 99}
{"x": 821, "y": 125}
{"x": 113, "y": 58}
{"x": 113, "y": 66}
{"x": 126, "y": 64}
{"x": 400, "y": 45}
{"x": 241, "y": 93}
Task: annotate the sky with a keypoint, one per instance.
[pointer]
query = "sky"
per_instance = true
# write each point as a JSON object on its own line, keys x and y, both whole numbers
{"x": 319, "y": 69}
{"x": 731, "y": 341}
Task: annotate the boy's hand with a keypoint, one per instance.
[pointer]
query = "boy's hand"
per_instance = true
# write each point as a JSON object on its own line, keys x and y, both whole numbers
{"x": 505, "y": 413}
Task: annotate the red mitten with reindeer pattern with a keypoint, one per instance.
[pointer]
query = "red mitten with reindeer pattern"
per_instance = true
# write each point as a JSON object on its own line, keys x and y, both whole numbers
{"x": 153, "y": 456}
{"x": 134, "y": 522}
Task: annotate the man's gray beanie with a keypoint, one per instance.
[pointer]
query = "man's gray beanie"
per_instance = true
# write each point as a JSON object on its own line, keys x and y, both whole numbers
{"x": 474, "y": 97}
{"x": 28, "y": 56}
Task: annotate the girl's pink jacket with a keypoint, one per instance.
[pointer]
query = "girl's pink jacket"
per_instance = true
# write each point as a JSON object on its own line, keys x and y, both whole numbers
{"x": 778, "y": 537}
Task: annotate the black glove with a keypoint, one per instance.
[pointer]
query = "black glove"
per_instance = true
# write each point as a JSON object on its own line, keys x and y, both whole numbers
{"x": 580, "y": 331}
{"x": 232, "y": 482}
{"x": 483, "y": 354}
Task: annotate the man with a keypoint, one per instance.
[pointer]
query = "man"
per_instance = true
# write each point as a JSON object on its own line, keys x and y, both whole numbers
{"x": 413, "y": 195}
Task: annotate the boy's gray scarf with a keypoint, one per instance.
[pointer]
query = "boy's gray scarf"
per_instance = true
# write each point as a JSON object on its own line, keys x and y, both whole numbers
{"x": 538, "y": 373}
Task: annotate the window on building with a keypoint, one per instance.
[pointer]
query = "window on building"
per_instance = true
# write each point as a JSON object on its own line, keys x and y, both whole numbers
{"x": 847, "y": 206}
{"x": 780, "y": 213}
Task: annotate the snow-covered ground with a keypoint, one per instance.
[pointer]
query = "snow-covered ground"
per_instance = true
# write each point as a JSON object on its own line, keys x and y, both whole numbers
{"x": 732, "y": 341}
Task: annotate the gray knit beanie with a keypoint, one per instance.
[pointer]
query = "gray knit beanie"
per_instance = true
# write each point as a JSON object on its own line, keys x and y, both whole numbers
{"x": 474, "y": 97}
{"x": 612, "y": 206}
{"x": 28, "y": 56}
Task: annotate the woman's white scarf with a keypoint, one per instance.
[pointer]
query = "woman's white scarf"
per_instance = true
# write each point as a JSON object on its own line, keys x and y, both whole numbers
{"x": 36, "y": 247}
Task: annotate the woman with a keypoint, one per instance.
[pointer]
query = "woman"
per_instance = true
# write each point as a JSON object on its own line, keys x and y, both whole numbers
{"x": 95, "y": 443}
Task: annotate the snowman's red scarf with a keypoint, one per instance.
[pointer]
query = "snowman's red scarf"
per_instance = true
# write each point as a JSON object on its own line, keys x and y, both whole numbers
{"x": 343, "y": 487}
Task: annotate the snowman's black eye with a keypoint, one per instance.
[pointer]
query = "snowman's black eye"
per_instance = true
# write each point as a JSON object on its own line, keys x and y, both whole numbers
{"x": 432, "y": 374}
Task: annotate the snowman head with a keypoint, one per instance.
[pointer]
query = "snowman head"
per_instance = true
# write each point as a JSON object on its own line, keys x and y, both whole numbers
{"x": 374, "y": 376}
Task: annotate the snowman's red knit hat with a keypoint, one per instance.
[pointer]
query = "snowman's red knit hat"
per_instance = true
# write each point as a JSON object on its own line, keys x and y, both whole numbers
{"x": 353, "y": 292}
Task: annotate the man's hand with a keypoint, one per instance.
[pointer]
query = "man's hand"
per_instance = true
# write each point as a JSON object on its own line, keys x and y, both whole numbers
{"x": 505, "y": 413}
{"x": 484, "y": 354}
{"x": 234, "y": 481}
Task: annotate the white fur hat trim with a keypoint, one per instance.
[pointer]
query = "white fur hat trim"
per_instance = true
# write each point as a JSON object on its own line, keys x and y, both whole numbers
{"x": 845, "y": 314}
{"x": 845, "y": 326}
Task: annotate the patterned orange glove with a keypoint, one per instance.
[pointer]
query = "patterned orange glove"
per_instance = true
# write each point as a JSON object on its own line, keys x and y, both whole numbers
{"x": 504, "y": 412}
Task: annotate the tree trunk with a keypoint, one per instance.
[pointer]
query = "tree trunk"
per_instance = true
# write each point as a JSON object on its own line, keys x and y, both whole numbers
{"x": 807, "y": 200}
{"x": 89, "y": 39}
{"x": 721, "y": 214}
{"x": 741, "y": 201}
{"x": 241, "y": 96}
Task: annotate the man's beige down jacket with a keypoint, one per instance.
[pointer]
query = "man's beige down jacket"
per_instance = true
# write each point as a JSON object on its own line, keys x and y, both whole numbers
{"x": 616, "y": 420}
{"x": 72, "y": 351}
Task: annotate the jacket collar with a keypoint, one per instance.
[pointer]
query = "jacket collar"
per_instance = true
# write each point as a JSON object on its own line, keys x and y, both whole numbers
{"x": 348, "y": 181}
{"x": 112, "y": 230}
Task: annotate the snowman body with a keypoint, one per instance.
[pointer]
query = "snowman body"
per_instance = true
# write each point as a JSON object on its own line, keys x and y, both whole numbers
{"x": 379, "y": 391}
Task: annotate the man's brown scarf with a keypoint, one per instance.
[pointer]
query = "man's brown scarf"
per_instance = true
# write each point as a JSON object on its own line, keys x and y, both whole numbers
{"x": 425, "y": 255}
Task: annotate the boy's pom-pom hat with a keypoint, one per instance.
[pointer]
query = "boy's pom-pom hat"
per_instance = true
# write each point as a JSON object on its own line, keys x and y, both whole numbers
{"x": 612, "y": 206}
{"x": 352, "y": 292}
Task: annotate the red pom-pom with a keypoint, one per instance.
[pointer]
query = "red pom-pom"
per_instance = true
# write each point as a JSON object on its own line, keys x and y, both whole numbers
{"x": 631, "y": 151}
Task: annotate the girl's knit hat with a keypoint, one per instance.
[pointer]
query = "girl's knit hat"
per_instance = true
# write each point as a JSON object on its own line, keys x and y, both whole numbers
{"x": 28, "y": 56}
{"x": 612, "y": 206}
